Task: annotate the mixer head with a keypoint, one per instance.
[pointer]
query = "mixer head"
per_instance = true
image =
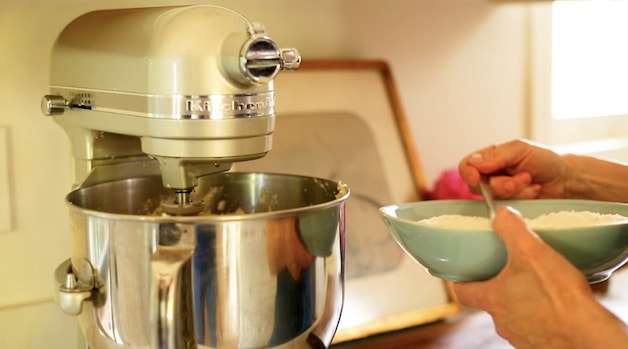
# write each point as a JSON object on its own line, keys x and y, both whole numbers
{"x": 187, "y": 89}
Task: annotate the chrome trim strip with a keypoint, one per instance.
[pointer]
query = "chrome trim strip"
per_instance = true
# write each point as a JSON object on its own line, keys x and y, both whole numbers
{"x": 179, "y": 107}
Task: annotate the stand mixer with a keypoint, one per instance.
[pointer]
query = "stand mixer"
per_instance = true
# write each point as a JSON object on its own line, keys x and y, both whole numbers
{"x": 170, "y": 250}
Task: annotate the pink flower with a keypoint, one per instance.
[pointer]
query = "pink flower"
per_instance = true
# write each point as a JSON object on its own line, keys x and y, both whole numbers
{"x": 450, "y": 186}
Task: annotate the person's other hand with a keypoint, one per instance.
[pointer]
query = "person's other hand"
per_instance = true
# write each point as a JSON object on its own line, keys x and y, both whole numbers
{"x": 539, "y": 299}
{"x": 517, "y": 170}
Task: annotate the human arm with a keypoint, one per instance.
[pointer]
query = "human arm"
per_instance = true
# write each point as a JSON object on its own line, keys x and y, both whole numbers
{"x": 522, "y": 169}
{"x": 593, "y": 178}
{"x": 539, "y": 300}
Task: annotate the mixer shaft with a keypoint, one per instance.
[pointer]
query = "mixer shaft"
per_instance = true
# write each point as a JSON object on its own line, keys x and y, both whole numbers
{"x": 182, "y": 204}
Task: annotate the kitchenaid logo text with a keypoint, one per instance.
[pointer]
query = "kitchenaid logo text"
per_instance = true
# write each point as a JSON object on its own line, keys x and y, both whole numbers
{"x": 226, "y": 105}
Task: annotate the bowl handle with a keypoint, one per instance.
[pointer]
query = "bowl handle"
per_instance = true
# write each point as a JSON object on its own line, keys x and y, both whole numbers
{"x": 71, "y": 293}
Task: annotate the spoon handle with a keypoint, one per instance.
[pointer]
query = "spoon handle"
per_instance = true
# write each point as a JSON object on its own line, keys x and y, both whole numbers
{"x": 488, "y": 197}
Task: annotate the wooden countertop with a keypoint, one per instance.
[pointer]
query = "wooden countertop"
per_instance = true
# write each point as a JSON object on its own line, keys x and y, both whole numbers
{"x": 468, "y": 329}
{"x": 471, "y": 329}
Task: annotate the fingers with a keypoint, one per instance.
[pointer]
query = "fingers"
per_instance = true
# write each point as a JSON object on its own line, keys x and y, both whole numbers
{"x": 472, "y": 294}
{"x": 472, "y": 167}
{"x": 519, "y": 241}
{"x": 486, "y": 161}
{"x": 518, "y": 186}
{"x": 500, "y": 163}
{"x": 525, "y": 248}
{"x": 510, "y": 227}
{"x": 492, "y": 159}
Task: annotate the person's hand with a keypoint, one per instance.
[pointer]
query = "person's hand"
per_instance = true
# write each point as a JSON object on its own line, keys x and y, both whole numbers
{"x": 517, "y": 170}
{"x": 539, "y": 300}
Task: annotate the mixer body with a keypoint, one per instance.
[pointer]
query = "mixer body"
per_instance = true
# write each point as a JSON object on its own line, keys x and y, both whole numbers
{"x": 190, "y": 87}
{"x": 168, "y": 249}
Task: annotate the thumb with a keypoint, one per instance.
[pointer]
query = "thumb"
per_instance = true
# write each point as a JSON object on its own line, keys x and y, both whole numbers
{"x": 511, "y": 228}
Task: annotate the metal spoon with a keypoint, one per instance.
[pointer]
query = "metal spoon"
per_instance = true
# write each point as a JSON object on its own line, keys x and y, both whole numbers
{"x": 488, "y": 198}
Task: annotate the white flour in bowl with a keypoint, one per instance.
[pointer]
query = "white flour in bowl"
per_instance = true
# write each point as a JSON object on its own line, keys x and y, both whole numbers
{"x": 554, "y": 220}
{"x": 458, "y": 222}
{"x": 573, "y": 219}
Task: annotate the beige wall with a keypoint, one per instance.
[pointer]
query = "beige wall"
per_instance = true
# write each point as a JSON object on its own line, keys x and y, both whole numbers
{"x": 460, "y": 66}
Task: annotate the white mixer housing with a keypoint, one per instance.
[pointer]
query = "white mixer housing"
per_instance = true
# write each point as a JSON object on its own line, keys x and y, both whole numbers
{"x": 189, "y": 86}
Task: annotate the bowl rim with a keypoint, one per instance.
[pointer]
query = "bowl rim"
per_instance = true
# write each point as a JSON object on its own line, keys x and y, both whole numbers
{"x": 343, "y": 194}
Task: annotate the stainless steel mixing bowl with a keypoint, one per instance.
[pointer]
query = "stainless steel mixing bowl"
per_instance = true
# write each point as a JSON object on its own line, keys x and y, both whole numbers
{"x": 262, "y": 267}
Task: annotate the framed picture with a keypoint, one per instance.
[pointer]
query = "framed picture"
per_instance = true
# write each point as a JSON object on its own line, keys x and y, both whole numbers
{"x": 343, "y": 120}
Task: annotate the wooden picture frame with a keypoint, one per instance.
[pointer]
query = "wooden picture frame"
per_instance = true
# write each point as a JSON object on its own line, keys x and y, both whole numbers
{"x": 342, "y": 120}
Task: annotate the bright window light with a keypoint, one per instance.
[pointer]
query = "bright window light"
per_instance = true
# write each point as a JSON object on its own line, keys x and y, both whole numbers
{"x": 589, "y": 58}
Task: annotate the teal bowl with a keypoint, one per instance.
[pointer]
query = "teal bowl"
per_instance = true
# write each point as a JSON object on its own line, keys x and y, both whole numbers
{"x": 478, "y": 254}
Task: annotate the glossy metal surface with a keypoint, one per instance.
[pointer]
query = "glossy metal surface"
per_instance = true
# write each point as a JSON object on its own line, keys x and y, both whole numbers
{"x": 262, "y": 267}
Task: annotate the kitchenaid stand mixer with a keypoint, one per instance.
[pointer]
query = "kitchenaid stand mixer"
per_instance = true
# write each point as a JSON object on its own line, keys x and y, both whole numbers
{"x": 177, "y": 94}
{"x": 186, "y": 86}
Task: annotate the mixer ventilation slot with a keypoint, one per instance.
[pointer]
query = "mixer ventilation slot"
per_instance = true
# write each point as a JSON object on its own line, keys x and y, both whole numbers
{"x": 82, "y": 100}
